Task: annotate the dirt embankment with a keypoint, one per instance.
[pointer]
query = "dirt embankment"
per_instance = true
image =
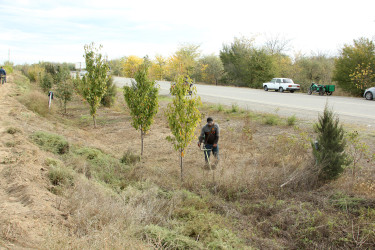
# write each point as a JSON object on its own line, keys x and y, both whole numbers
{"x": 28, "y": 210}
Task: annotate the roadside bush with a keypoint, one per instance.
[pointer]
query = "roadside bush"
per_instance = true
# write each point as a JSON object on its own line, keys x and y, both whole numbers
{"x": 330, "y": 154}
{"x": 50, "y": 142}
{"x": 34, "y": 72}
{"x": 109, "y": 97}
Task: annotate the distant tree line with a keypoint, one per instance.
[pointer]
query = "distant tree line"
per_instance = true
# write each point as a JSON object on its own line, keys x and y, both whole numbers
{"x": 243, "y": 63}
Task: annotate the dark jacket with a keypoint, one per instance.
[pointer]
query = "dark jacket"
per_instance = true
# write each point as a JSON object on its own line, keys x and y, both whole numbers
{"x": 210, "y": 135}
{"x": 2, "y": 72}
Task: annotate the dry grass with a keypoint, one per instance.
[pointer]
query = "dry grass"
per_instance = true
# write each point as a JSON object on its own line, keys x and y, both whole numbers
{"x": 37, "y": 102}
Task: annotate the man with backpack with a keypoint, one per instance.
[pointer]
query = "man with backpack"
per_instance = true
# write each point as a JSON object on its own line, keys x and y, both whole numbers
{"x": 210, "y": 136}
{"x": 3, "y": 75}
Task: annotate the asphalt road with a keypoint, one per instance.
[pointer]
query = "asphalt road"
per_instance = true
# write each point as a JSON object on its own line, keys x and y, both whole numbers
{"x": 349, "y": 109}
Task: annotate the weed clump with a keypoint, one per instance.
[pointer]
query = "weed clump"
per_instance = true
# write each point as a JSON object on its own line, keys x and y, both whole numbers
{"x": 291, "y": 120}
{"x": 60, "y": 176}
{"x": 10, "y": 144}
{"x": 165, "y": 238}
{"x": 272, "y": 120}
{"x": 235, "y": 108}
{"x": 220, "y": 107}
{"x": 129, "y": 158}
{"x": 13, "y": 131}
{"x": 50, "y": 142}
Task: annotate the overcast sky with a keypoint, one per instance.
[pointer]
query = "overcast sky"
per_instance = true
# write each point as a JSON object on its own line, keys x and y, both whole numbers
{"x": 35, "y": 30}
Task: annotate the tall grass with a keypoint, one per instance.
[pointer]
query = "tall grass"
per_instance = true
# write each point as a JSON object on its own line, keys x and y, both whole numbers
{"x": 37, "y": 102}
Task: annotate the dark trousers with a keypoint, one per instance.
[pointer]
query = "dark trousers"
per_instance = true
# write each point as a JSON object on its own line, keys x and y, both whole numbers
{"x": 215, "y": 151}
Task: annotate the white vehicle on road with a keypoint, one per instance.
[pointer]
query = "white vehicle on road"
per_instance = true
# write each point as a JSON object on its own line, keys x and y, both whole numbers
{"x": 281, "y": 85}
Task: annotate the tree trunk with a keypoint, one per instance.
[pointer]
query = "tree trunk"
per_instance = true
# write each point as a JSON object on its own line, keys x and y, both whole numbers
{"x": 94, "y": 118}
{"x": 65, "y": 107}
{"x": 182, "y": 175}
{"x": 142, "y": 137}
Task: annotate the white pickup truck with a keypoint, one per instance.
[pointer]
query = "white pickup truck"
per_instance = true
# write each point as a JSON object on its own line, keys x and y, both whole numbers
{"x": 281, "y": 85}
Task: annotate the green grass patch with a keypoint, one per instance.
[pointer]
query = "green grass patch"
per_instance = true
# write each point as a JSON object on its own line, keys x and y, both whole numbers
{"x": 103, "y": 167}
{"x": 291, "y": 120}
{"x": 219, "y": 107}
{"x": 198, "y": 222}
{"x": 235, "y": 108}
{"x": 50, "y": 142}
{"x": 165, "y": 98}
{"x": 271, "y": 119}
{"x": 169, "y": 239}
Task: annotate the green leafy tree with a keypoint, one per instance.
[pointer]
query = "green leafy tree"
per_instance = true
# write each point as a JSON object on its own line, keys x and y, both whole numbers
{"x": 354, "y": 58}
{"x": 116, "y": 67}
{"x": 363, "y": 77}
{"x": 330, "y": 154}
{"x": 183, "y": 117}
{"x": 142, "y": 100}
{"x": 94, "y": 82}
{"x": 246, "y": 65}
{"x": 159, "y": 68}
{"x": 50, "y": 68}
{"x": 130, "y": 65}
{"x": 315, "y": 68}
{"x": 211, "y": 69}
{"x": 64, "y": 89}
{"x": 183, "y": 61}
{"x": 46, "y": 82}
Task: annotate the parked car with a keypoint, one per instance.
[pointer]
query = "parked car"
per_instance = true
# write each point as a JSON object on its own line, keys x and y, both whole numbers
{"x": 369, "y": 93}
{"x": 281, "y": 85}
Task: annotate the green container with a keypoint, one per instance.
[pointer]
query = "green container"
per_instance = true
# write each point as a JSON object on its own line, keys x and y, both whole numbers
{"x": 330, "y": 88}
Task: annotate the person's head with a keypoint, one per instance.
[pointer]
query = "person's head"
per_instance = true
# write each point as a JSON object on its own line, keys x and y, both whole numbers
{"x": 210, "y": 121}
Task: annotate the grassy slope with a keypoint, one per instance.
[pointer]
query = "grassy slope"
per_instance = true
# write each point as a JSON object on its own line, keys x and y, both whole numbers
{"x": 110, "y": 199}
